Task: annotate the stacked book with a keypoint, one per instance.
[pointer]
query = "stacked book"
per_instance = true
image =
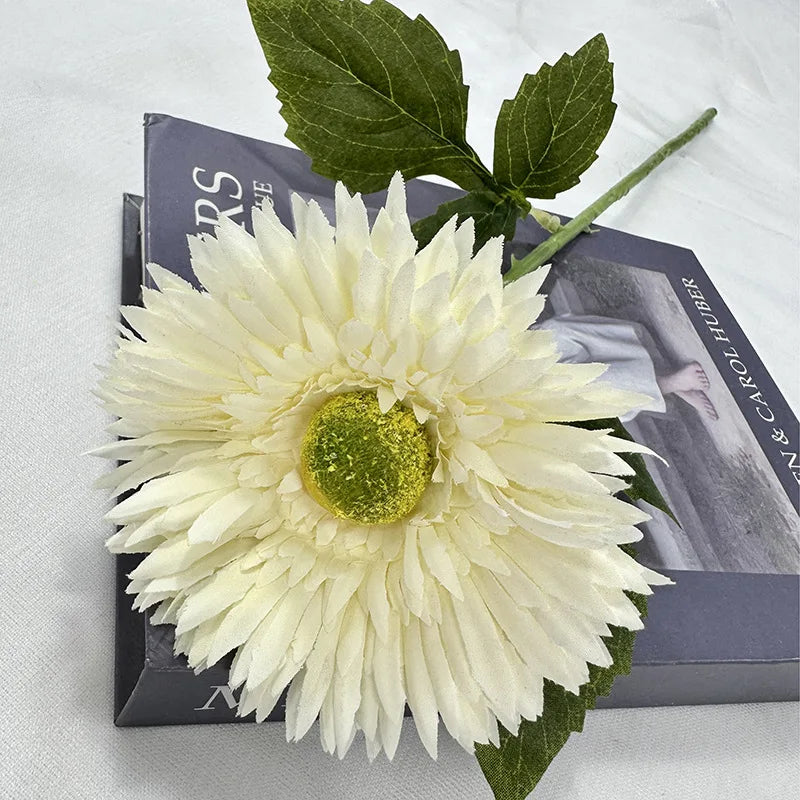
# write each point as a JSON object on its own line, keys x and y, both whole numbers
{"x": 728, "y": 631}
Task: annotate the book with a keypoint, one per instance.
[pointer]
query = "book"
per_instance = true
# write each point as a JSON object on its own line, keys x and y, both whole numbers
{"x": 728, "y": 632}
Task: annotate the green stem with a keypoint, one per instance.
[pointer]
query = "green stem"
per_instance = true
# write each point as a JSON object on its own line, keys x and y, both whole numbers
{"x": 547, "y": 249}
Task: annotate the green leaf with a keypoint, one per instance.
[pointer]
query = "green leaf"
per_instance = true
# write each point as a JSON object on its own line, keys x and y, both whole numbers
{"x": 366, "y": 91}
{"x": 642, "y": 486}
{"x": 548, "y": 134}
{"x": 493, "y": 215}
{"x": 515, "y": 767}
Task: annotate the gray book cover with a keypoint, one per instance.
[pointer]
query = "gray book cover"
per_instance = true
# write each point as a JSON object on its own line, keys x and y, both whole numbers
{"x": 728, "y": 632}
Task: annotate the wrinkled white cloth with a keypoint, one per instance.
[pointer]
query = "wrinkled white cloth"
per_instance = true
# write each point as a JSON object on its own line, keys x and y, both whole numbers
{"x": 75, "y": 79}
{"x": 586, "y": 338}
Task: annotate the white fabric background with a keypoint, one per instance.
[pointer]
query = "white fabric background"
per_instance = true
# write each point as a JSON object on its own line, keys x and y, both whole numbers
{"x": 75, "y": 79}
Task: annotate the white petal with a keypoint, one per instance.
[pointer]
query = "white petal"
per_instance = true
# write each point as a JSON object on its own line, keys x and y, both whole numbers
{"x": 308, "y": 692}
{"x": 227, "y": 587}
{"x": 400, "y": 297}
{"x": 434, "y": 551}
{"x": 369, "y": 292}
{"x": 421, "y": 698}
{"x": 218, "y": 517}
{"x": 243, "y": 618}
{"x": 413, "y": 580}
{"x": 477, "y": 459}
{"x": 377, "y": 600}
{"x": 347, "y": 681}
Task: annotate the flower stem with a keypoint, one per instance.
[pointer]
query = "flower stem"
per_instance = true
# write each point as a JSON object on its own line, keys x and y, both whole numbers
{"x": 547, "y": 249}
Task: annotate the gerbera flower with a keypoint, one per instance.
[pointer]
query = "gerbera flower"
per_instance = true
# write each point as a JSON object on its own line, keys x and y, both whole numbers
{"x": 354, "y": 472}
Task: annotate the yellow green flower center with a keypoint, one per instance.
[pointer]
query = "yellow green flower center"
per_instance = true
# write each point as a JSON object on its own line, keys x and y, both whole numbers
{"x": 362, "y": 464}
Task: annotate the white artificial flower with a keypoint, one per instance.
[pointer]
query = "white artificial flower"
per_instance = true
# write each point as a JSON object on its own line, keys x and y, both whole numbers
{"x": 497, "y": 567}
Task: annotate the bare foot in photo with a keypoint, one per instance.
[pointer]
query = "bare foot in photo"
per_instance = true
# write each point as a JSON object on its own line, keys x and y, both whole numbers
{"x": 700, "y": 401}
{"x": 689, "y": 378}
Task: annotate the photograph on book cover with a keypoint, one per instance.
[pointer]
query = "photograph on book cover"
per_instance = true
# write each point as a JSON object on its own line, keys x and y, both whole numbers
{"x": 734, "y": 514}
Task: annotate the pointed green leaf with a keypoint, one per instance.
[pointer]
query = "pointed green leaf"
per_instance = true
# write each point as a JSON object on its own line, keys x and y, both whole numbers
{"x": 642, "y": 485}
{"x": 548, "y": 134}
{"x": 515, "y": 767}
{"x": 493, "y": 215}
{"x": 367, "y": 91}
